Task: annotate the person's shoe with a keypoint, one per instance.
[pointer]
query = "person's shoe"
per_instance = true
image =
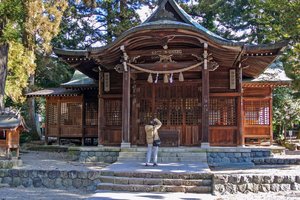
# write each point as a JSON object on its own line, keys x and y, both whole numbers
{"x": 155, "y": 165}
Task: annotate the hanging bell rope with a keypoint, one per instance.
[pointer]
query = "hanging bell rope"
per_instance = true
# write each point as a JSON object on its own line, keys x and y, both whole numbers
{"x": 167, "y": 71}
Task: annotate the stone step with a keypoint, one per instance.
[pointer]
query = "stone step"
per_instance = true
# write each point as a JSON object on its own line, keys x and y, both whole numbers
{"x": 276, "y": 161}
{"x": 154, "y": 181}
{"x": 161, "y": 175}
{"x": 154, "y": 188}
{"x": 167, "y": 149}
{"x": 165, "y": 156}
{"x": 164, "y": 159}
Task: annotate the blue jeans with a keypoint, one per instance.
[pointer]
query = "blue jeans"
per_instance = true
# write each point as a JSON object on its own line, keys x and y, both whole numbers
{"x": 151, "y": 148}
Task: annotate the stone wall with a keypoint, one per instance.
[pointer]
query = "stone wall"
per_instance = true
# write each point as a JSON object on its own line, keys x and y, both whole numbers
{"x": 224, "y": 184}
{"x": 84, "y": 180}
{"x": 10, "y": 163}
{"x": 220, "y": 157}
{"x": 94, "y": 154}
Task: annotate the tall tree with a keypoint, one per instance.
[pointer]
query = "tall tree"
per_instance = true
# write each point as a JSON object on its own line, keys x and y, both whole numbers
{"x": 96, "y": 23}
{"x": 10, "y": 13}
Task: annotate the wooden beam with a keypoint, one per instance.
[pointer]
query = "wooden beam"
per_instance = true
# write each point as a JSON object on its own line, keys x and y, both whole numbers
{"x": 126, "y": 110}
{"x": 155, "y": 52}
{"x": 205, "y": 100}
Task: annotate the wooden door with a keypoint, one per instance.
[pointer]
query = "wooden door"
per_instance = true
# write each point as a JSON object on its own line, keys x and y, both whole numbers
{"x": 177, "y": 105}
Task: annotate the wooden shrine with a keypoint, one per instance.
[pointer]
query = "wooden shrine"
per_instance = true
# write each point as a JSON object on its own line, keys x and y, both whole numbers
{"x": 205, "y": 89}
{"x": 11, "y": 126}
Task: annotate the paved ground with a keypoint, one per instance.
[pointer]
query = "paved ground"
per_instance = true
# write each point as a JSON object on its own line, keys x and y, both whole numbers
{"x": 162, "y": 167}
{"x": 53, "y": 160}
{"x": 22, "y": 193}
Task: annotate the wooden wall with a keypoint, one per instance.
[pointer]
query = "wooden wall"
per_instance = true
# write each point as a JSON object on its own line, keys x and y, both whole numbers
{"x": 257, "y": 118}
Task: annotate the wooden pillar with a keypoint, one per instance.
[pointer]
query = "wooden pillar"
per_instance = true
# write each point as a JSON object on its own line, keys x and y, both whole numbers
{"x": 240, "y": 108}
{"x": 100, "y": 110}
{"x": 46, "y": 120}
{"x": 271, "y": 115}
{"x": 134, "y": 116}
{"x": 205, "y": 101}
{"x": 126, "y": 110}
{"x": 83, "y": 116}
{"x": 58, "y": 120}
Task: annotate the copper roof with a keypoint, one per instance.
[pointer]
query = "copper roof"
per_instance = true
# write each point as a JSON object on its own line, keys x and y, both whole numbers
{"x": 54, "y": 92}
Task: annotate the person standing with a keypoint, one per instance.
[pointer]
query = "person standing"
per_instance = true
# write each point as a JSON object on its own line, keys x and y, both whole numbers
{"x": 153, "y": 140}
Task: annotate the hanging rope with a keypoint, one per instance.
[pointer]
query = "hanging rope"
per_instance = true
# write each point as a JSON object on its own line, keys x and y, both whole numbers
{"x": 166, "y": 72}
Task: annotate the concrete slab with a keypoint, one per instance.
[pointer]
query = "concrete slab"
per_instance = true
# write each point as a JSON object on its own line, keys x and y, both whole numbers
{"x": 181, "y": 167}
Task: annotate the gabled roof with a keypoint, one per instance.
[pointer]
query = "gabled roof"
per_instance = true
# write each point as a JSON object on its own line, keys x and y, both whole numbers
{"x": 169, "y": 10}
{"x": 79, "y": 80}
{"x": 273, "y": 74}
{"x": 11, "y": 119}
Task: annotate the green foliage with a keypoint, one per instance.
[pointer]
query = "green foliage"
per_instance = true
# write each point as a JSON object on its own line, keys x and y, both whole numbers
{"x": 51, "y": 72}
{"x": 286, "y": 110}
{"x": 19, "y": 69}
{"x": 100, "y": 22}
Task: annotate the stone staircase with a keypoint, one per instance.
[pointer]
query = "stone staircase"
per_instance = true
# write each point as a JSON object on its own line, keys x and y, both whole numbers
{"x": 165, "y": 155}
{"x": 156, "y": 182}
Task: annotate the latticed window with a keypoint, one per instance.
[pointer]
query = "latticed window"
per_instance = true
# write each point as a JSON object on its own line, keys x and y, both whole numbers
{"x": 91, "y": 113}
{"x": 222, "y": 111}
{"x": 257, "y": 112}
{"x": 176, "y": 111}
{"x": 52, "y": 114}
{"x": 113, "y": 112}
{"x": 71, "y": 113}
{"x": 162, "y": 110}
{"x": 192, "y": 111}
{"x": 145, "y": 111}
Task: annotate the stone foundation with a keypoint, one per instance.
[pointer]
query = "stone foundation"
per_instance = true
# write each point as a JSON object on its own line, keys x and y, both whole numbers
{"x": 224, "y": 184}
{"x": 94, "y": 154}
{"x": 230, "y": 156}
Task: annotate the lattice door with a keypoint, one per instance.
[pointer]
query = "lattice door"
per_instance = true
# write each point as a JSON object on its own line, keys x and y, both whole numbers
{"x": 178, "y": 107}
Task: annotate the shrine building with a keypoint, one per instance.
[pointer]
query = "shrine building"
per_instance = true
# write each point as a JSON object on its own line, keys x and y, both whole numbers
{"x": 206, "y": 90}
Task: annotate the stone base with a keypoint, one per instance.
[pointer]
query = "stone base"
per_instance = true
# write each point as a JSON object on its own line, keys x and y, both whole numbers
{"x": 205, "y": 145}
{"x": 125, "y": 145}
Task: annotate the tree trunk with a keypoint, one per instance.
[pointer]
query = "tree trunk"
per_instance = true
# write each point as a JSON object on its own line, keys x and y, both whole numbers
{"x": 3, "y": 72}
{"x": 32, "y": 121}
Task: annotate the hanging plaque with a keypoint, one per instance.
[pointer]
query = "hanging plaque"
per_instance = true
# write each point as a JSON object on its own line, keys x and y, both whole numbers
{"x": 232, "y": 79}
{"x": 106, "y": 82}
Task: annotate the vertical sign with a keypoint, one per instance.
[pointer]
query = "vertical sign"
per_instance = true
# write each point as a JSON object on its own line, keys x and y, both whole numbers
{"x": 106, "y": 82}
{"x": 232, "y": 79}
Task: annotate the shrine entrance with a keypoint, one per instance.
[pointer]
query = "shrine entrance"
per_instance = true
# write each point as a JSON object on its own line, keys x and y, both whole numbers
{"x": 177, "y": 105}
